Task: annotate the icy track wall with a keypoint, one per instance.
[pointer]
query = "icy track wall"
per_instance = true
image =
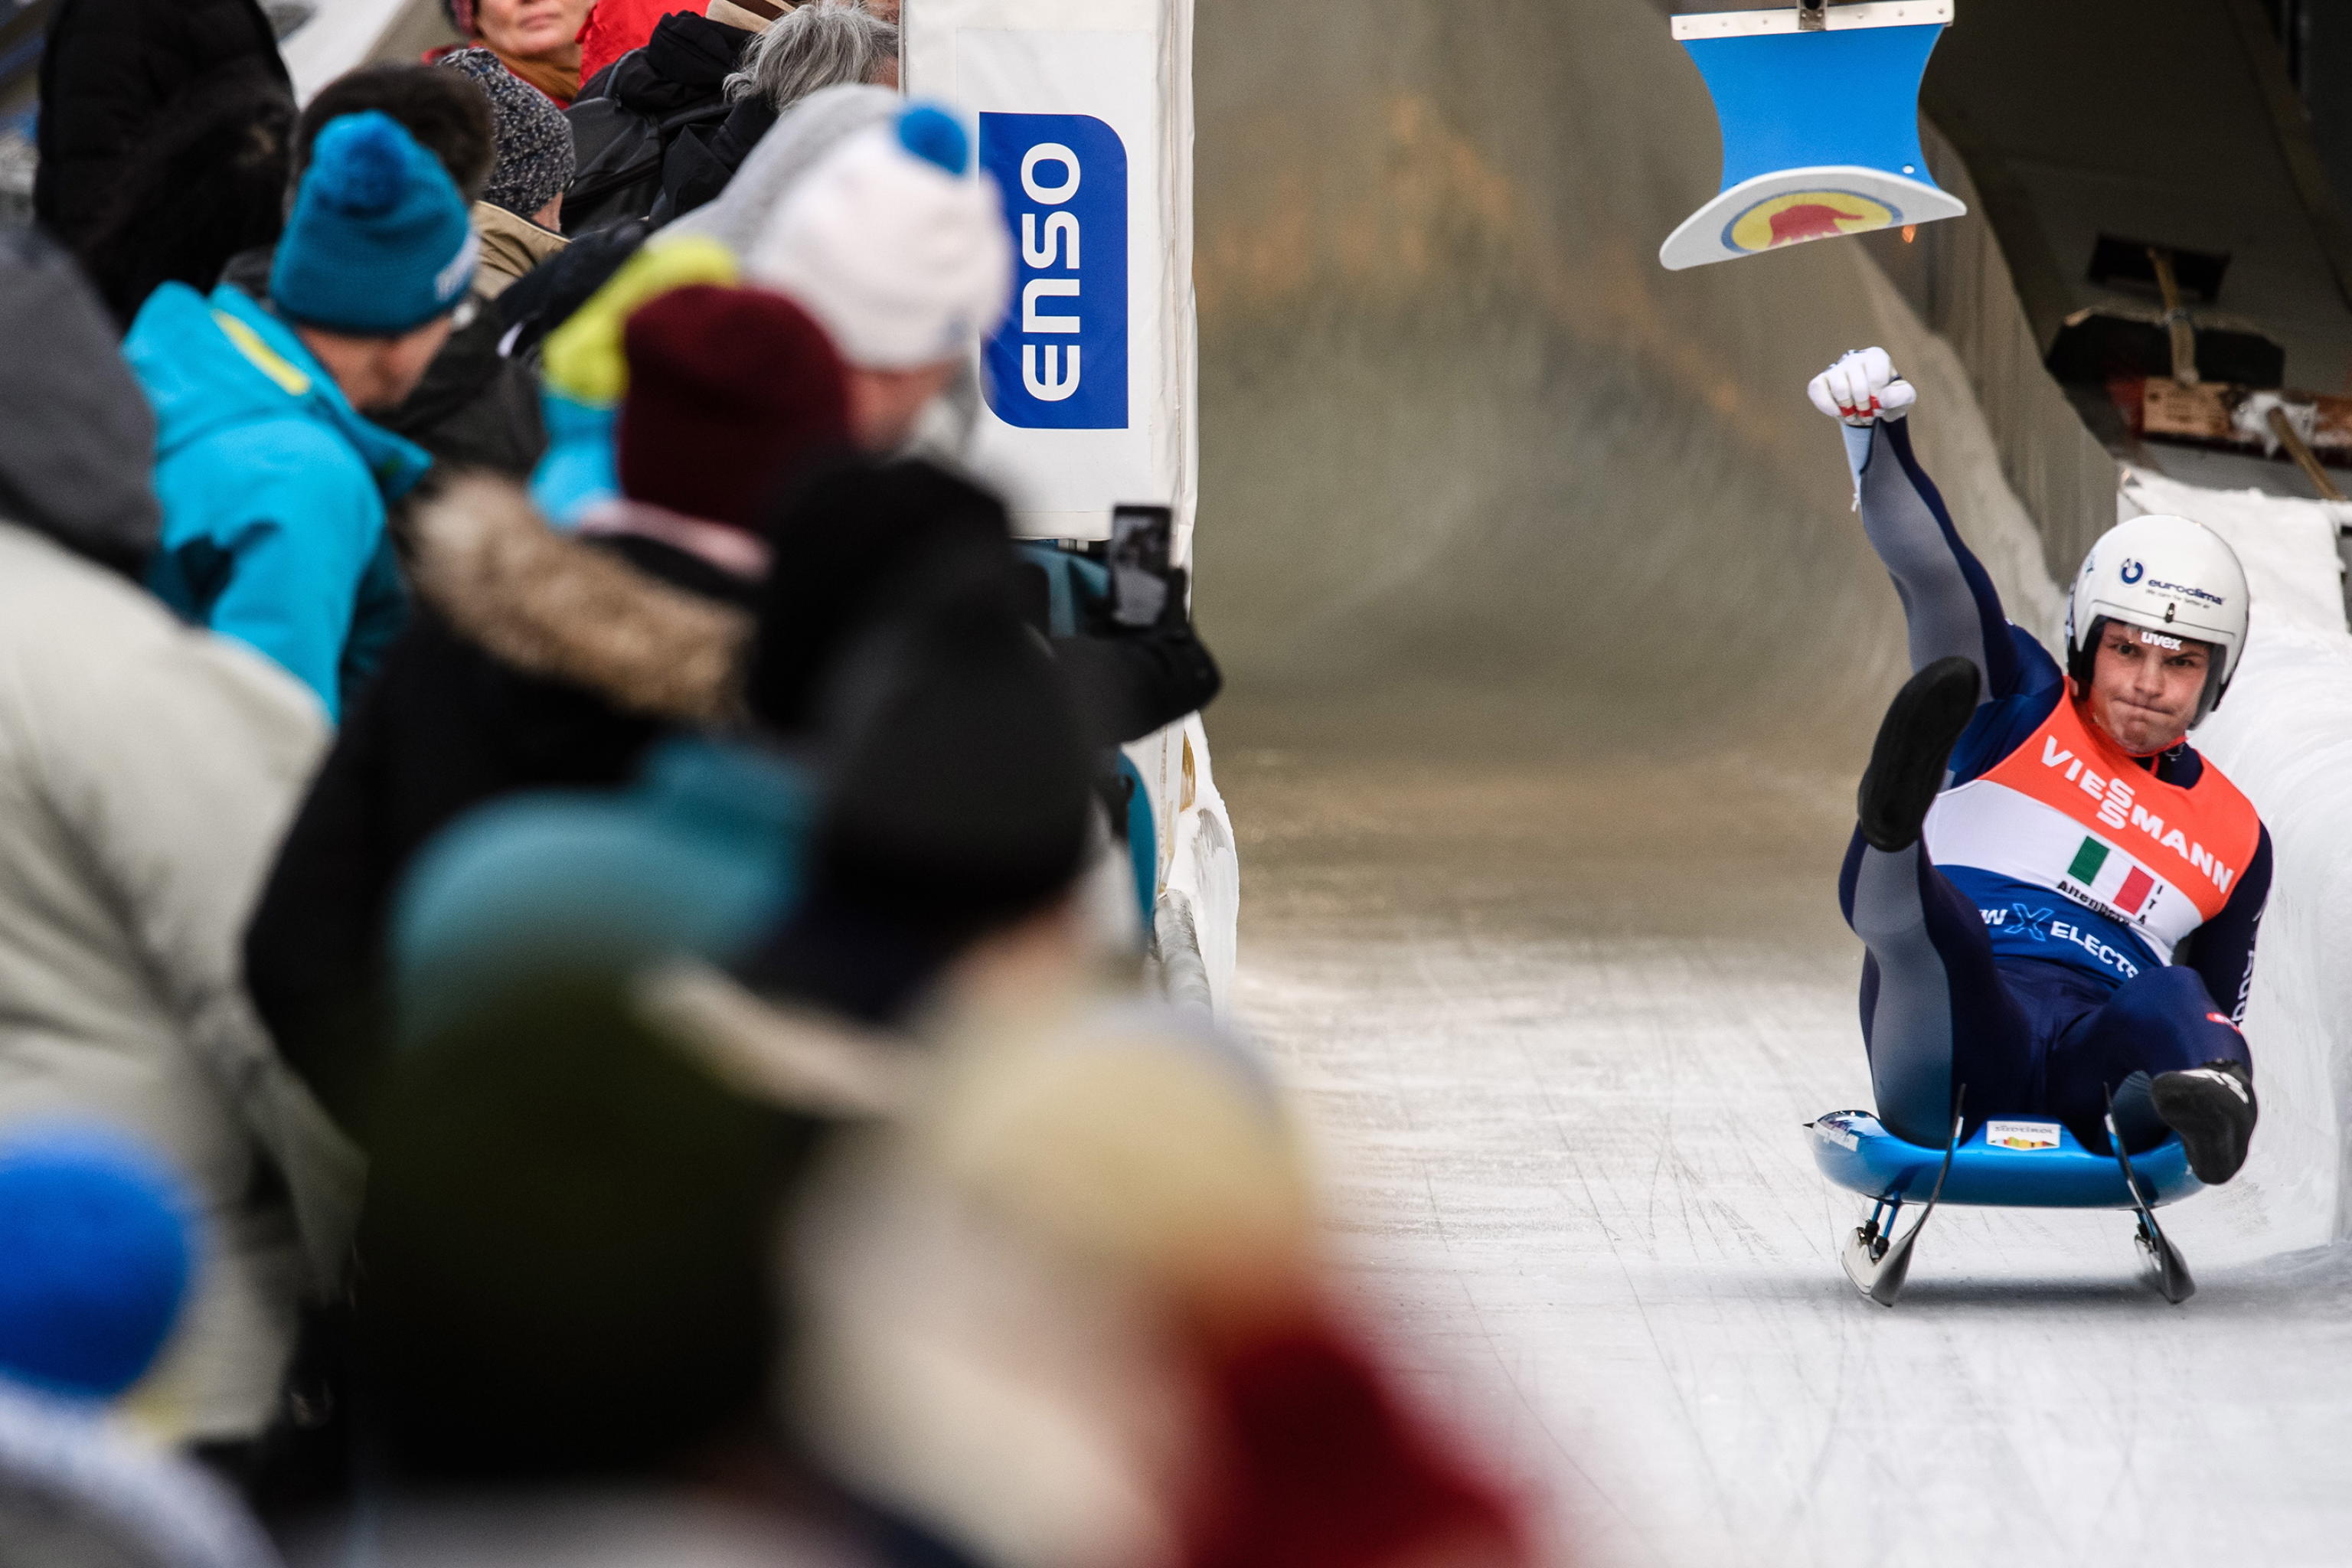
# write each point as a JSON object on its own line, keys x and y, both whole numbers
{"x": 1461, "y": 433}
{"x": 2284, "y": 735}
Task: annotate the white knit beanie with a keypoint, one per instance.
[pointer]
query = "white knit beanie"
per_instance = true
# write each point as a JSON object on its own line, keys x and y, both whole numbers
{"x": 897, "y": 250}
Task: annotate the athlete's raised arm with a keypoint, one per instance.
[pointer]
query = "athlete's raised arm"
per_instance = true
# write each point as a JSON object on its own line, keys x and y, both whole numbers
{"x": 1949, "y": 600}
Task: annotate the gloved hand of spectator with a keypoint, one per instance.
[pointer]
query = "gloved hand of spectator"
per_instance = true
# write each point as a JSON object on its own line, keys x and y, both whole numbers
{"x": 1131, "y": 681}
{"x": 1862, "y": 387}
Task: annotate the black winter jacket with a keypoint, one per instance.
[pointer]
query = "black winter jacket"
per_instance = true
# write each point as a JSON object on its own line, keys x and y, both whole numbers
{"x": 110, "y": 68}
{"x": 476, "y": 408}
{"x": 706, "y": 156}
{"x": 531, "y": 660}
{"x": 624, "y": 123}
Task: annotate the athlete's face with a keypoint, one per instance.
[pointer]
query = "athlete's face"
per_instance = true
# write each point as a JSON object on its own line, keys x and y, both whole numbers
{"x": 2145, "y": 686}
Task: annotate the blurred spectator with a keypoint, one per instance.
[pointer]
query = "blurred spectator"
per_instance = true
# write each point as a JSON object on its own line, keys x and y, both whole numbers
{"x": 523, "y": 203}
{"x": 447, "y": 120}
{"x": 571, "y": 1317}
{"x": 543, "y": 301}
{"x": 699, "y": 853}
{"x": 1134, "y": 680}
{"x": 957, "y": 817}
{"x": 1312, "y": 1459}
{"x": 566, "y": 1243}
{"x": 537, "y": 40}
{"x": 959, "y": 806}
{"x": 802, "y": 137}
{"x": 614, "y": 1320}
{"x": 616, "y": 27}
{"x": 709, "y": 844}
{"x": 867, "y": 545}
{"x": 799, "y": 54}
{"x": 901, "y": 254}
{"x": 110, "y": 69}
{"x": 98, "y": 1259}
{"x": 812, "y": 48}
{"x": 77, "y": 440}
{"x": 585, "y": 370}
{"x": 625, "y": 124}
{"x": 1068, "y": 1308}
{"x": 96, "y": 1239}
{"x": 481, "y": 405}
{"x": 148, "y": 771}
{"x": 207, "y": 182}
{"x": 1065, "y": 1305}
{"x": 704, "y": 850}
{"x": 273, "y": 484}
{"x": 540, "y": 660}
{"x": 618, "y": 1313}
{"x": 474, "y": 407}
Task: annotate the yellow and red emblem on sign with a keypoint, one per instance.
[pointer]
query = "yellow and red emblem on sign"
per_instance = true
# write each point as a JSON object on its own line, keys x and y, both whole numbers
{"x": 1799, "y": 216}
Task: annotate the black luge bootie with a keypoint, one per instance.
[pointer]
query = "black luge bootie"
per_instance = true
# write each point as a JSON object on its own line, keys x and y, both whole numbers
{"x": 1914, "y": 740}
{"x": 2212, "y": 1108}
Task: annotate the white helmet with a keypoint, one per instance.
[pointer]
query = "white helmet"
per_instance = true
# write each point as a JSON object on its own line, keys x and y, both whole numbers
{"x": 2167, "y": 575}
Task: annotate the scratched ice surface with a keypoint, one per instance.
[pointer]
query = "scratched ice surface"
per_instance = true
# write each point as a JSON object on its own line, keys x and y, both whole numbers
{"x": 1556, "y": 1058}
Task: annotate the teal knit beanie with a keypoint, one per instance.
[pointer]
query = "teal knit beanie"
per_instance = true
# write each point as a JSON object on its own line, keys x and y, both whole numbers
{"x": 378, "y": 243}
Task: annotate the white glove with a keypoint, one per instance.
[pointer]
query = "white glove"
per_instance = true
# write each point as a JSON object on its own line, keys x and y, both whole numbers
{"x": 1862, "y": 386}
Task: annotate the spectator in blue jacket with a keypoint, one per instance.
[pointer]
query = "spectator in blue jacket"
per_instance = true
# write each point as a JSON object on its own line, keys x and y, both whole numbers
{"x": 273, "y": 483}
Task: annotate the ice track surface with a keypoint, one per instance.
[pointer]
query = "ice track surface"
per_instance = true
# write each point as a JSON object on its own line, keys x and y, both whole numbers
{"x": 1555, "y": 1049}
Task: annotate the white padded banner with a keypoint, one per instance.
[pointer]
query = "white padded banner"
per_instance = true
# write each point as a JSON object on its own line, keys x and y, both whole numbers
{"x": 1083, "y": 110}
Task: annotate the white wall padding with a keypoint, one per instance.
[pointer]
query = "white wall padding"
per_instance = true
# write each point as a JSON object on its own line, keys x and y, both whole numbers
{"x": 2283, "y": 735}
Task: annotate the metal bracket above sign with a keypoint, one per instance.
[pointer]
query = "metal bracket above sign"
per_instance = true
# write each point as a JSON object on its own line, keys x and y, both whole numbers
{"x": 1813, "y": 18}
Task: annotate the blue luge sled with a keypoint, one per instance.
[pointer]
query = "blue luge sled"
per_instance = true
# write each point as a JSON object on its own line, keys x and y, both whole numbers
{"x": 2042, "y": 1166}
{"x": 2008, "y": 1162}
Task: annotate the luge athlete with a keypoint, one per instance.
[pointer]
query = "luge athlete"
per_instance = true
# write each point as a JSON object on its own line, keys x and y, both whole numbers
{"x": 2059, "y": 896}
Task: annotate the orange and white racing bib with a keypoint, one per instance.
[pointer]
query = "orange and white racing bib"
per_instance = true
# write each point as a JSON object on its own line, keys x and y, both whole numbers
{"x": 2070, "y": 811}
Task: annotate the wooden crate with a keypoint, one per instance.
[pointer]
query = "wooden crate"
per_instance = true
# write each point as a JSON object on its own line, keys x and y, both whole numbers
{"x": 2205, "y": 413}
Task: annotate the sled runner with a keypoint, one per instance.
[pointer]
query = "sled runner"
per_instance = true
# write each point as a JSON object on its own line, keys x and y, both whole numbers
{"x": 2008, "y": 1162}
{"x": 1819, "y": 106}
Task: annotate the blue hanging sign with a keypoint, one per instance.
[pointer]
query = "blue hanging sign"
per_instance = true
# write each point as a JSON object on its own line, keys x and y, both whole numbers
{"x": 1820, "y": 118}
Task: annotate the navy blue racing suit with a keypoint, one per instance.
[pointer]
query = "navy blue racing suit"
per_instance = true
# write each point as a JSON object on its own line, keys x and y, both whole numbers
{"x": 2060, "y": 929}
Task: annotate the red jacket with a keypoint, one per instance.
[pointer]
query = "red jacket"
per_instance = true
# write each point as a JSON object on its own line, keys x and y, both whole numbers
{"x": 616, "y": 27}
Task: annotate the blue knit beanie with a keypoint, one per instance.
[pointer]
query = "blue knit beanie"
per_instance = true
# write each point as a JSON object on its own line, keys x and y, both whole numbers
{"x": 378, "y": 243}
{"x": 95, "y": 1238}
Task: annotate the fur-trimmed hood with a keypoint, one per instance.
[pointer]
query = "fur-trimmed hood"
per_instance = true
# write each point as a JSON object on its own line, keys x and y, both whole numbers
{"x": 554, "y": 605}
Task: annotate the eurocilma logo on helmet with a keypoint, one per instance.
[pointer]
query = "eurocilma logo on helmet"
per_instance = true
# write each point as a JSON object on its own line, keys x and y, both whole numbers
{"x": 2132, "y": 571}
{"x": 2188, "y": 591}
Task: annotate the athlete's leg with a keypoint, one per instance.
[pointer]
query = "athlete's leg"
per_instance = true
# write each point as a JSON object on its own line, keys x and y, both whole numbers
{"x": 1935, "y": 1015}
{"x": 1935, "y": 1012}
{"x": 2160, "y": 1021}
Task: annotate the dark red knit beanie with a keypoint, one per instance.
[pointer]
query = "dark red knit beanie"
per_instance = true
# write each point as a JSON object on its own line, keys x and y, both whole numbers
{"x": 730, "y": 390}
